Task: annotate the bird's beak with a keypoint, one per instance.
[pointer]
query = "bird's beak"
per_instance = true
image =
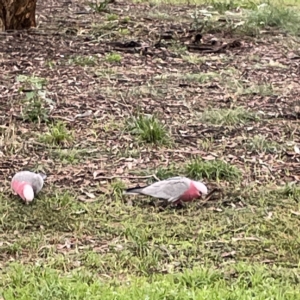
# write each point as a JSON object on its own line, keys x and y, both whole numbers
{"x": 43, "y": 175}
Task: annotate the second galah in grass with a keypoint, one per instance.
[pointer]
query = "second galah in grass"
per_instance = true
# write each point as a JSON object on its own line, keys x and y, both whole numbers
{"x": 174, "y": 190}
{"x": 27, "y": 184}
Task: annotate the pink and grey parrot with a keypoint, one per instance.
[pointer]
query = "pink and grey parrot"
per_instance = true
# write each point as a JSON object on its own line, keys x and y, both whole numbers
{"x": 175, "y": 190}
{"x": 27, "y": 184}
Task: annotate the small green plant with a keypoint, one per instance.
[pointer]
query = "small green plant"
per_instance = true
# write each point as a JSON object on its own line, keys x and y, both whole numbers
{"x": 194, "y": 59}
{"x": 83, "y": 60}
{"x": 227, "y": 116}
{"x": 69, "y": 156}
{"x": 124, "y": 31}
{"x": 178, "y": 48}
{"x": 223, "y": 6}
{"x": 206, "y": 144}
{"x": 167, "y": 172}
{"x": 36, "y": 106}
{"x": 113, "y": 57}
{"x": 212, "y": 170}
{"x": 112, "y": 17}
{"x": 260, "y": 89}
{"x": 99, "y": 7}
{"x": 260, "y": 143}
{"x": 149, "y": 129}
{"x": 200, "y": 77}
{"x": 125, "y": 20}
{"x": 32, "y": 82}
{"x": 50, "y": 64}
{"x": 292, "y": 191}
{"x": 58, "y": 134}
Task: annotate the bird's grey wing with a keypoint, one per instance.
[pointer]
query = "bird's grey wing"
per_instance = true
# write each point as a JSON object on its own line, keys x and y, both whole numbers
{"x": 22, "y": 176}
{"x": 37, "y": 183}
{"x": 170, "y": 190}
{"x": 174, "y": 178}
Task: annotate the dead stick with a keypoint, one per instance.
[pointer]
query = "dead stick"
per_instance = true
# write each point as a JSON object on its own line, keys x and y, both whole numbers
{"x": 128, "y": 176}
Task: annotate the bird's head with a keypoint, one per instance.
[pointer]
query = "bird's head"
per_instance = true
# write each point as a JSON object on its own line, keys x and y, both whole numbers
{"x": 201, "y": 188}
{"x": 28, "y": 193}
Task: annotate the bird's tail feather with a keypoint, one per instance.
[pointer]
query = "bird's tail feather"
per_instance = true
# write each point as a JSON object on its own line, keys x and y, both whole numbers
{"x": 133, "y": 191}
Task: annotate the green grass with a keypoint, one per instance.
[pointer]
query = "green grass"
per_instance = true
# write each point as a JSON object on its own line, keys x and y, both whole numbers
{"x": 261, "y": 89}
{"x": 124, "y": 31}
{"x": 83, "y": 60}
{"x": 241, "y": 281}
{"x": 227, "y": 116}
{"x": 105, "y": 249}
{"x": 260, "y": 143}
{"x": 58, "y": 134}
{"x": 36, "y": 105}
{"x": 193, "y": 59}
{"x": 227, "y": 5}
{"x": 277, "y": 16}
{"x": 149, "y": 129}
{"x": 36, "y": 108}
{"x": 99, "y": 6}
{"x": 69, "y": 156}
{"x": 113, "y": 57}
{"x": 112, "y": 17}
{"x": 253, "y": 18}
{"x": 34, "y": 82}
{"x": 200, "y": 77}
{"x": 213, "y": 170}
{"x": 292, "y": 191}
{"x": 117, "y": 188}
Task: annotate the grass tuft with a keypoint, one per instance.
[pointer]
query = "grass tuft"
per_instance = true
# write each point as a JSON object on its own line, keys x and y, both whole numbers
{"x": 165, "y": 173}
{"x": 113, "y": 57}
{"x": 228, "y": 116}
{"x": 83, "y": 60}
{"x": 262, "y": 90}
{"x": 292, "y": 191}
{"x": 69, "y": 156}
{"x": 58, "y": 134}
{"x": 117, "y": 188}
{"x": 223, "y": 6}
{"x": 100, "y": 6}
{"x": 261, "y": 144}
{"x": 200, "y": 77}
{"x": 112, "y": 17}
{"x": 212, "y": 170}
{"x": 36, "y": 107}
{"x": 149, "y": 129}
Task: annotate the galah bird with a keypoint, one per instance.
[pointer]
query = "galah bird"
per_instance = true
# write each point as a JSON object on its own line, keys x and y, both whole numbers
{"x": 175, "y": 190}
{"x": 27, "y": 184}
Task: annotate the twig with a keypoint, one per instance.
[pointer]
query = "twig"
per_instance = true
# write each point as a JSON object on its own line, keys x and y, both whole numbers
{"x": 127, "y": 176}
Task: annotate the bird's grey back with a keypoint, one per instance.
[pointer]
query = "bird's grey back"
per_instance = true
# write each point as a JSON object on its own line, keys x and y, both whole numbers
{"x": 172, "y": 187}
{"x": 36, "y": 180}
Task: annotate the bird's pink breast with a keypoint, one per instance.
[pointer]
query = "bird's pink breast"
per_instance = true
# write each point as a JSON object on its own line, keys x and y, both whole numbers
{"x": 18, "y": 187}
{"x": 190, "y": 194}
